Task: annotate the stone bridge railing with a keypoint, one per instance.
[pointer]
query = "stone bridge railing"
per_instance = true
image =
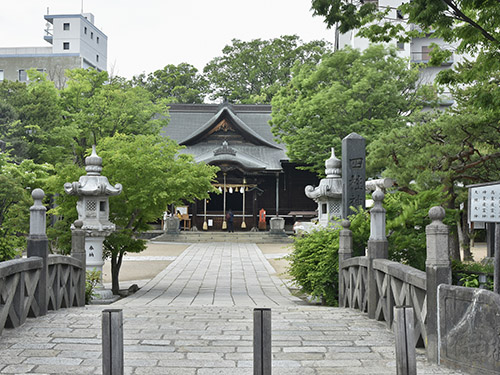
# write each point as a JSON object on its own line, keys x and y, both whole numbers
{"x": 375, "y": 285}
{"x": 31, "y": 286}
{"x": 396, "y": 285}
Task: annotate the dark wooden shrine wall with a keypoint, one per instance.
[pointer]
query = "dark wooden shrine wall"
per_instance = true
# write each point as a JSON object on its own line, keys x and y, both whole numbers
{"x": 292, "y": 183}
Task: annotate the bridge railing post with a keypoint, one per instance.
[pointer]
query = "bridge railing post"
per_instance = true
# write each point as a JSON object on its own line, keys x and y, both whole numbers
{"x": 404, "y": 325}
{"x": 377, "y": 248}
{"x": 78, "y": 252}
{"x": 38, "y": 246}
{"x": 438, "y": 270}
{"x": 345, "y": 252}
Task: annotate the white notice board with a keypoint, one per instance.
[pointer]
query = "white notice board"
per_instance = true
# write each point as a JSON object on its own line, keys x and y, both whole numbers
{"x": 484, "y": 203}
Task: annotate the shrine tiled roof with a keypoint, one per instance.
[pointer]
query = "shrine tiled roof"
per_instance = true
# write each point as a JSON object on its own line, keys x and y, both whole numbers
{"x": 256, "y": 148}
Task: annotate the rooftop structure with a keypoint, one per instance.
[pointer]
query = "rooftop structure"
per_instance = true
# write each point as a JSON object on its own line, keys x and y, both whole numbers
{"x": 417, "y": 50}
{"x": 75, "y": 43}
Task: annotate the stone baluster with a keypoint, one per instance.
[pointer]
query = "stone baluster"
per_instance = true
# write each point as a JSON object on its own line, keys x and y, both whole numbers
{"x": 38, "y": 246}
{"x": 377, "y": 248}
{"x": 78, "y": 252}
{"x": 438, "y": 270}
{"x": 345, "y": 252}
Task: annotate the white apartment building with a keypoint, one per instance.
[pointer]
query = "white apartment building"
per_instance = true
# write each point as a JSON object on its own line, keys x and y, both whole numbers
{"x": 417, "y": 50}
{"x": 75, "y": 43}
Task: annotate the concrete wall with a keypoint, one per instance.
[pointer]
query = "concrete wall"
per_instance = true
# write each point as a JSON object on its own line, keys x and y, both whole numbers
{"x": 54, "y": 66}
{"x": 76, "y": 43}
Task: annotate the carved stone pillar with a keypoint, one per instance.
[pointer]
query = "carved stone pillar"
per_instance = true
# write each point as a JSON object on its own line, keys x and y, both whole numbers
{"x": 345, "y": 252}
{"x": 38, "y": 246}
{"x": 377, "y": 248}
{"x": 438, "y": 270}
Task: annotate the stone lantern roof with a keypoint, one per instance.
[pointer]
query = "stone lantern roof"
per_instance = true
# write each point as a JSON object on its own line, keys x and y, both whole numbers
{"x": 92, "y": 184}
{"x": 331, "y": 186}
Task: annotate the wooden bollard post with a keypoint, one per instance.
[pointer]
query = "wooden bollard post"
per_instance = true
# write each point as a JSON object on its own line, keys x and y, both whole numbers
{"x": 406, "y": 362}
{"x": 262, "y": 347}
{"x": 112, "y": 342}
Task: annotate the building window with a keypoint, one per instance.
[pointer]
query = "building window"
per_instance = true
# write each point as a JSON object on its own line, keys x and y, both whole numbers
{"x": 85, "y": 30}
{"x": 91, "y": 35}
{"x": 401, "y": 46}
{"x": 66, "y": 45}
{"x": 97, "y": 58}
{"x": 1, "y": 75}
{"x": 97, "y": 40}
{"x": 66, "y": 26}
{"x": 425, "y": 53}
{"x": 23, "y": 76}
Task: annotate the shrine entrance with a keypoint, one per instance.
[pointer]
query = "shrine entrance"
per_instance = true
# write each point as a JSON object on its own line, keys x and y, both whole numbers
{"x": 255, "y": 172}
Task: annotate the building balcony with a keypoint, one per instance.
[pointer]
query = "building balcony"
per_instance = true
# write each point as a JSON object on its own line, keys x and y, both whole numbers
{"x": 48, "y": 37}
{"x": 414, "y": 27}
{"x": 424, "y": 58}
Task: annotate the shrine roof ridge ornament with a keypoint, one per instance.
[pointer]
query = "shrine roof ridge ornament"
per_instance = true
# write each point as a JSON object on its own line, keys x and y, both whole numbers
{"x": 92, "y": 183}
{"x": 225, "y": 149}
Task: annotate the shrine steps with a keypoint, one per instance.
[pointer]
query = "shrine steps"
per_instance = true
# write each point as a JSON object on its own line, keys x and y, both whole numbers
{"x": 240, "y": 237}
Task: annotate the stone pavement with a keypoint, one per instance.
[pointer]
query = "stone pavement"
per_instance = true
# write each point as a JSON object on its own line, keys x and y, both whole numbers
{"x": 195, "y": 319}
{"x": 220, "y": 274}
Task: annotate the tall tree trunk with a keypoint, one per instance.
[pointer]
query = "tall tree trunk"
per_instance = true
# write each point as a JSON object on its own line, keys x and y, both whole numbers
{"x": 454, "y": 243}
{"x": 465, "y": 242}
{"x": 116, "y": 262}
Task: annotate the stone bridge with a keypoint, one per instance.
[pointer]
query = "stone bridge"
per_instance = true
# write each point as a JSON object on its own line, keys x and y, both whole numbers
{"x": 195, "y": 318}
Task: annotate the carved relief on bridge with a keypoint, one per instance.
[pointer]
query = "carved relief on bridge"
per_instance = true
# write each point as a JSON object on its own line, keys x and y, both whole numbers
{"x": 470, "y": 329}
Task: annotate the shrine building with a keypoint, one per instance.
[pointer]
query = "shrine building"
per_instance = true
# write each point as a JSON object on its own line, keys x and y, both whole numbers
{"x": 255, "y": 172}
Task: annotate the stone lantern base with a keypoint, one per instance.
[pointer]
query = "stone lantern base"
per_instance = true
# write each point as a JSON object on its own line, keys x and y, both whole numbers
{"x": 103, "y": 296}
{"x": 277, "y": 225}
{"x": 172, "y": 225}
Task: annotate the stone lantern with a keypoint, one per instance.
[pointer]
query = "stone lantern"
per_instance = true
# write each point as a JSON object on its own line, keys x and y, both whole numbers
{"x": 328, "y": 194}
{"x": 93, "y": 191}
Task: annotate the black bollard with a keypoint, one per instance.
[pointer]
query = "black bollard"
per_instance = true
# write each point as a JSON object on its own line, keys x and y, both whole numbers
{"x": 112, "y": 342}
{"x": 262, "y": 347}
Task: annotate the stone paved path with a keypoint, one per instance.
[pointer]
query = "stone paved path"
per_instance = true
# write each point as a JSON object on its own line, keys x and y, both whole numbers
{"x": 168, "y": 330}
{"x": 220, "y": 274}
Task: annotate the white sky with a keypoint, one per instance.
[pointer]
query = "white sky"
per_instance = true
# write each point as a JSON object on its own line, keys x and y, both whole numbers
{"x": 146, "y": 35}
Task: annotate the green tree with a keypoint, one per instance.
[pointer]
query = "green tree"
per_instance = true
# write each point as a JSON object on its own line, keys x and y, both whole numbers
{"x": 166, "y": 177}
{"x": 474, "y": 24}
{"x": 64, "y": 207}
{"x": 95, "y": 106}
{"x": 314, "y": 261}
{"x": 16, "y": 183}
{"x": 366, "y": 92}
{"x": 407, "y": 216}
{"x": 31, "y": 120}
{"x": 470, "y": 25}
{"x": 455, "y": 148}
{"x": 252, "y": 72}
{"x": 175, "y": 83}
